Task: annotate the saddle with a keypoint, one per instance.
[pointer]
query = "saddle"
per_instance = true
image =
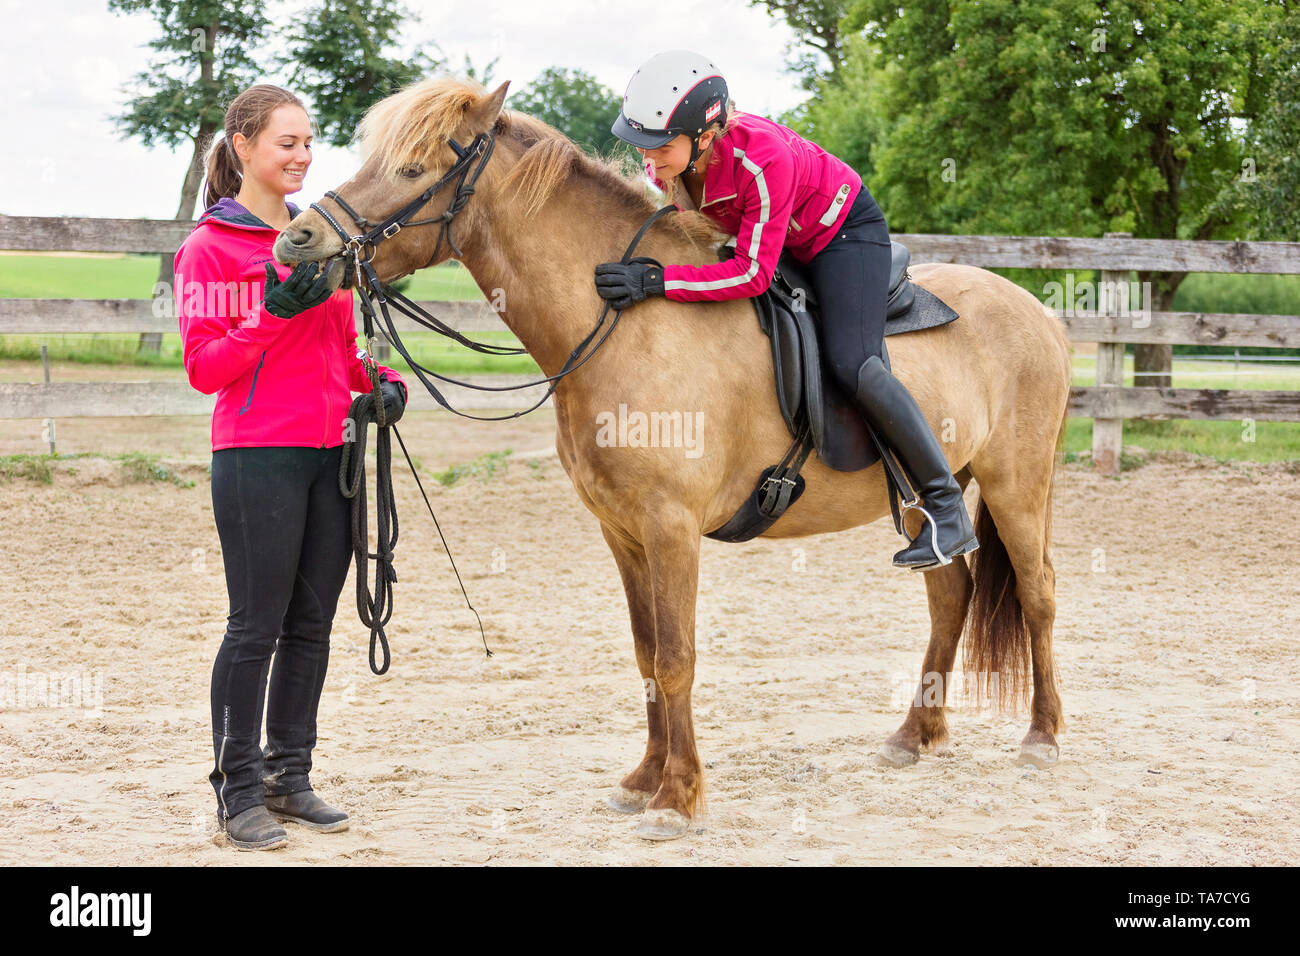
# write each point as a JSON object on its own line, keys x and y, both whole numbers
{"x": 819, "y": 415}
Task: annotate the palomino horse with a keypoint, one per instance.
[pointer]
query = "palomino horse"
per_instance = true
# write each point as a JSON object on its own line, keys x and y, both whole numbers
{"x": 543, "y": 214}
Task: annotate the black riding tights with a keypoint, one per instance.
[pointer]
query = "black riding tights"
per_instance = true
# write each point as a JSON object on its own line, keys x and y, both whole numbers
{"x": 850, "y": 278}
{"x": 285, "y": 539}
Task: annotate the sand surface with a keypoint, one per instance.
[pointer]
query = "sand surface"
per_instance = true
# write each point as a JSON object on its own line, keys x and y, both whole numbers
{"x": 1179, "y": 610}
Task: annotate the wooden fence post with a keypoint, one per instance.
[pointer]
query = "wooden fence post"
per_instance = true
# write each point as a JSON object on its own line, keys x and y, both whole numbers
{"x": 1108, "y": 433}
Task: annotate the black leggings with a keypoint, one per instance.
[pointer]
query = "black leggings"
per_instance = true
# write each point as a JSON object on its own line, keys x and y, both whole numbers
{"x": 850, "y": 279}
{"x": 286, "y": 540}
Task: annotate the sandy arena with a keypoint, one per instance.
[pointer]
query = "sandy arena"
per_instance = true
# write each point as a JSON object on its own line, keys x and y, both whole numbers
{"x": 1179, "y": 609}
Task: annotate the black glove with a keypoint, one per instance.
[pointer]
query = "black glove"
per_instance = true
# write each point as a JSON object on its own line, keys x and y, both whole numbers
{"x": 303, "y": 290}
{"x": 626, "y": 285}
{"x": 394, "y": 399}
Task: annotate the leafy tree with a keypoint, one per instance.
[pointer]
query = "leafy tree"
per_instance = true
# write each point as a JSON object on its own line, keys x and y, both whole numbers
{"x": 205, "y": 58}
{"x": 1267, "y": 193}
{"x": 1060, "y": 117}
{"x": 845, "y": 114}
{"x": 336, "y": 58}
{"x": 576, "y": 104}
{"x": 818, "y": 37}
{"x": 174, "y": 106}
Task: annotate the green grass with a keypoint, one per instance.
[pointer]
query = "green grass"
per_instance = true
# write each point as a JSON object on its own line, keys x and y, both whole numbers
{"x": 135, "y": 467}
{"x": 1193, "y": 374}
{"x": 74, "y": 277}
{"x": 427, "y": 348}
{"x": 483, "y": 467}
{"x": 133, "y": 277}
{"x": 1223, "y": 441}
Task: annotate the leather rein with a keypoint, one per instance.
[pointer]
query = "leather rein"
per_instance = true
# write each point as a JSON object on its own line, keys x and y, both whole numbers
{"x": 375, "y": 609}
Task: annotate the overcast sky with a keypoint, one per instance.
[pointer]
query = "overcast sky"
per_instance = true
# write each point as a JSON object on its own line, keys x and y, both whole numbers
{"x": 65, "y": 63}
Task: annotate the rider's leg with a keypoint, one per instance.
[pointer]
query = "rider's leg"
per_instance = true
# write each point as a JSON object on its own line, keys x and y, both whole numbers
{"x": 850, "y": 277}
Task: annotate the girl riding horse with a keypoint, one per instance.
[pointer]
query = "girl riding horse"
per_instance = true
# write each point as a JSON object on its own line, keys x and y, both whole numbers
{"x": 774, "y": 190}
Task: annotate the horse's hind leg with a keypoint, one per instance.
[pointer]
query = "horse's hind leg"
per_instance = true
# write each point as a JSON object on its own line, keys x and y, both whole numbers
{"x": 948, "y": 592}
{"x": 640, "y": 785}
{"x": 1016, "y": 489}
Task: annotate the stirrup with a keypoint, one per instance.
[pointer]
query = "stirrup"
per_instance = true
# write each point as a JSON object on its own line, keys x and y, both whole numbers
{"x": 944, "y": 560}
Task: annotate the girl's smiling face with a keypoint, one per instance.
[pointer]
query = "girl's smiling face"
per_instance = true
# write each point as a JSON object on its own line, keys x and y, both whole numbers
{"x": 279, "y": 155}
{"x": 671, "y": 159}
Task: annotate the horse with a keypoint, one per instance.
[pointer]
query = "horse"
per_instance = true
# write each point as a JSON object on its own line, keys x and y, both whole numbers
{"x": 994, "y": 383}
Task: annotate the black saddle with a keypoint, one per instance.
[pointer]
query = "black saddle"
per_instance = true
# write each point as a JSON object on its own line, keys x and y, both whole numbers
{"x": 818, "y": 414}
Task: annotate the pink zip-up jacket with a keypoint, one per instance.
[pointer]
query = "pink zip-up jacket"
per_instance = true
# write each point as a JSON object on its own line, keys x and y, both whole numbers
{"x": 278, "y": 381}
{"x": 771, "y": 189}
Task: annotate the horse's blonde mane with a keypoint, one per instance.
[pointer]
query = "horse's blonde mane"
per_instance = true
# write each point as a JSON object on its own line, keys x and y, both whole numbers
{"x": 411, "y": 127}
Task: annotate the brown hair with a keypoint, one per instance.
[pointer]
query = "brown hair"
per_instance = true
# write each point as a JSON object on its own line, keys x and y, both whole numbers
{"x": 248, "y": 113}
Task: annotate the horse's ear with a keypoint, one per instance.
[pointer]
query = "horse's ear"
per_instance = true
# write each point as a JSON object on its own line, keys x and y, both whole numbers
{"x": 483, "y": 114}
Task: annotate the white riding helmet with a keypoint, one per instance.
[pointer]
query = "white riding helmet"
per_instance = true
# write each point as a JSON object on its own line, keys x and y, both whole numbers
{"x": 672, "y": 93}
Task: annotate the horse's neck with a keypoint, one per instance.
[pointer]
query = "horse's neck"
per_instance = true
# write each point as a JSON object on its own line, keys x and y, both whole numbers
{"x": 539, "y": 272}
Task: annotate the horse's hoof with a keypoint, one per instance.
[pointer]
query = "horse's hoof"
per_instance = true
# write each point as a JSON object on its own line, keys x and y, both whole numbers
{"x": 624, "y": 800}
{"x": 663, "y": 824}
{"x": 892, "y": 755}
{"x": 1041, "y": 756}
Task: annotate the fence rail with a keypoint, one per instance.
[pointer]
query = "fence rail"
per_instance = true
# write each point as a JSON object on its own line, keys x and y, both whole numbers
{"x": 1110, "y": 325}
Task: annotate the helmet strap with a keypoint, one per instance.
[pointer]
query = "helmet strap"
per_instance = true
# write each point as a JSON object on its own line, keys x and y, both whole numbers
{"x": 695, "y": 154}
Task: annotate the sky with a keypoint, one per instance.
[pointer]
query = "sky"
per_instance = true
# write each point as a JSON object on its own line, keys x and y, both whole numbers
{"x": 69, "y": 67}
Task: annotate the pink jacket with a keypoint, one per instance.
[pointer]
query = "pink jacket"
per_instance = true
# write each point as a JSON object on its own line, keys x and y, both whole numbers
{"x": 278, "y": 381}
{"x": 771, "y": 189}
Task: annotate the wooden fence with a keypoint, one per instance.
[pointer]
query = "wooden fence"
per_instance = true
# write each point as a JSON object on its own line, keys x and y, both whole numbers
{"x": 1112, "y": 324}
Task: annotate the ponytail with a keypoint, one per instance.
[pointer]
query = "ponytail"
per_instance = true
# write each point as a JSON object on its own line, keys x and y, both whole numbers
{"x": 223, "y": 171}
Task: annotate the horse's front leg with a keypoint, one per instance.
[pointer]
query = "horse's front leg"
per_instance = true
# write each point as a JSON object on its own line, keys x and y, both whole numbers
{"x": 672, "y": 546}
{"x": 641, "y": 784}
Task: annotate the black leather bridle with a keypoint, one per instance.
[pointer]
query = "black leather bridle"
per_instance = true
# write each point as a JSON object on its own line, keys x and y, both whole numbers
{"x": 362, "y": 249}
{"x": 376, "y": 609}
{"x": 362, "y": 246}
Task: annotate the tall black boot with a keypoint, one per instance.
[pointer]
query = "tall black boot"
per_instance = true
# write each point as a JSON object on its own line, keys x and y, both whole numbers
{"x": 896, "y": 419}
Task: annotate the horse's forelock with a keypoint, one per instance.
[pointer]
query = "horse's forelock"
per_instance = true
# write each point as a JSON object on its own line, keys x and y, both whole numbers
{"x": 409, "y": 127}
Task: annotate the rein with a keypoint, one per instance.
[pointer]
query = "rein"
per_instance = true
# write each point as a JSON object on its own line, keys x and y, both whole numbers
{"x": 375, "y": 609}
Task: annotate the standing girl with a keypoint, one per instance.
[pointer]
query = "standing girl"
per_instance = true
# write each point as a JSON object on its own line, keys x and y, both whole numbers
{"x": 774, "y": 190}
{"x": 283, "y": 363}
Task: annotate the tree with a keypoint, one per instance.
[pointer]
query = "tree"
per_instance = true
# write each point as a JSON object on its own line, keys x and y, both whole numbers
{"x": 816, "y": 24}
{"x": 174, "y": 106}
{"x": 844, "y": 114}
{"x": 574, "y": 103}
{"x": 336, "y": 58}
{"x": 1267, "y": 193}
{"x": 1066, "y": 117}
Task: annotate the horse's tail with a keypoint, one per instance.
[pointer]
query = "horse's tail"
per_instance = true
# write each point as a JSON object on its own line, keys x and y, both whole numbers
{"x": 997, "y": 651}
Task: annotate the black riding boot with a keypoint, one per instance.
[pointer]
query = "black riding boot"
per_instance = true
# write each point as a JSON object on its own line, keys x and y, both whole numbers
{"x": 896, "y": 419}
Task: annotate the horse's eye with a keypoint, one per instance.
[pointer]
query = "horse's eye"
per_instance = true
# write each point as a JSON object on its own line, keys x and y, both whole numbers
{"x": 414, "y": 171}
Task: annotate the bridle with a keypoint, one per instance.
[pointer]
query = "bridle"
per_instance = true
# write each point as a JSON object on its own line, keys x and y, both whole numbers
{"x": 375, "y": 610}
{"x": 362, "y": 249}
{"x": 362, "y": 246}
